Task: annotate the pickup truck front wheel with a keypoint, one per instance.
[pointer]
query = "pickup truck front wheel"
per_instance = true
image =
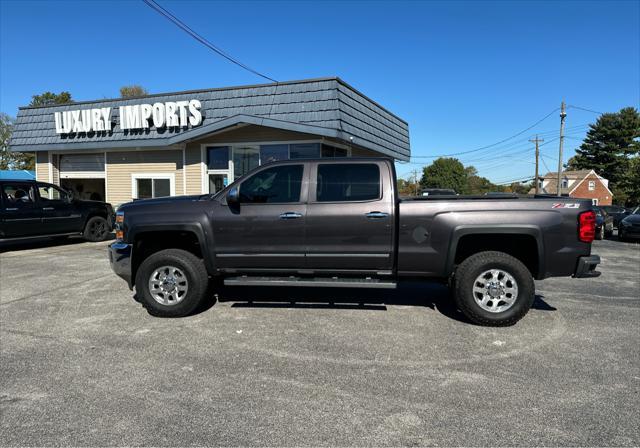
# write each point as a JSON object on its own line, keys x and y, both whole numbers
{"x": 172, "y": 283}
{"x": 493, "y": 289}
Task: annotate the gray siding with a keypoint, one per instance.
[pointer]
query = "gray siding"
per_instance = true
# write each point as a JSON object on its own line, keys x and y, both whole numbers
{"x": 327, "y": 107}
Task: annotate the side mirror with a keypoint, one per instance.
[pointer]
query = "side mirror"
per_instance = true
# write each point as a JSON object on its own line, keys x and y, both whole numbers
{"x": 233, "y": 197}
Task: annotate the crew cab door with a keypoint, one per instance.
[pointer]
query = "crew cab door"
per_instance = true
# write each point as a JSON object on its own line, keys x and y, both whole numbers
{"x": 20, "y": 214}
{"x": 58, "y": 212}
{"x": 266, "y": 229}
{"x": 350, "y": 216}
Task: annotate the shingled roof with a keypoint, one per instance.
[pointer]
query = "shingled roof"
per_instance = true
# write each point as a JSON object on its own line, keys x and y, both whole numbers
{"x": 328, "y": 107}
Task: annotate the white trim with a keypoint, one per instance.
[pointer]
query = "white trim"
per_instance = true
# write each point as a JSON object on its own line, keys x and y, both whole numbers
{"x": 203, "y": 171}
{"x": 83, "y": 175}
{"x": 136, "y": 176}
{"x": 184, "y": 170}
{"x": 106, "y": 182}
{"x": 605, "y": 185}
{"x": 50, "y": 163}
{"x": 586, "y": 176}
{"x": 110, "y": 150}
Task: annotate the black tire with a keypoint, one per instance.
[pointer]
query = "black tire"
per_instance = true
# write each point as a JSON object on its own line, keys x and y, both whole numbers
{"x": 600, "y": 233}
{"x": 466, "y": 275}
{"x": 193, "y": 269}
{"x": 96, "y": 229}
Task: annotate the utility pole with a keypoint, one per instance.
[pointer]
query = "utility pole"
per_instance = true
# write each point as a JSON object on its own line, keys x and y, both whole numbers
{"x": 563, "y": 115}
{"x": 536, "y": 141}
{"x": 415, "y": 181}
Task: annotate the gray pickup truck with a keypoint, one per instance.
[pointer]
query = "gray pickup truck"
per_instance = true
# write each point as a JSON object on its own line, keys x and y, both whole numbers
{"x": 340, "y": 223}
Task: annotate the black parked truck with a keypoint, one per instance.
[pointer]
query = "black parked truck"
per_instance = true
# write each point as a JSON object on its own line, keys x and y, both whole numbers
{"x": 340, "y": 223}
{"x": 31, "y": 209}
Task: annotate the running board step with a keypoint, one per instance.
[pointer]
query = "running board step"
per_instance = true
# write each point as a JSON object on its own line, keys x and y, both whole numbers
{"x": 326, "y": 282}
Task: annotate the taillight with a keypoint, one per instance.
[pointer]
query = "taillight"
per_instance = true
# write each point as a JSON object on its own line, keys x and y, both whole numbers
{"x": 587, "y": 226}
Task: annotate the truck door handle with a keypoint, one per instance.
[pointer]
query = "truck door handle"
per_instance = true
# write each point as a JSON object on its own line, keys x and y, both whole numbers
{"x": 376, "y": 215}
{"x": 12, "y": 209}
{"x": 48, "y": 208}
{"x": 291, "y": 215}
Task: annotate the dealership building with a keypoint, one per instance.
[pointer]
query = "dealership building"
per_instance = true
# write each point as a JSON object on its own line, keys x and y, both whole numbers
{"x": 198, "y": 141}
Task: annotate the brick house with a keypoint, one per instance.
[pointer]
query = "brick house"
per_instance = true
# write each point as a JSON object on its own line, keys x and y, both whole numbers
{"x": 583, "y": 184}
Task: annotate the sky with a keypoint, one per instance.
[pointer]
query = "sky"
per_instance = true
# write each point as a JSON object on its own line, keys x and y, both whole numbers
{"x": 464, "y": 75}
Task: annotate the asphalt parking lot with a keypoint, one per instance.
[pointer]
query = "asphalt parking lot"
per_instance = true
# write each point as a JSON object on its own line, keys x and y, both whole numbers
{"x": 82, "y": 363}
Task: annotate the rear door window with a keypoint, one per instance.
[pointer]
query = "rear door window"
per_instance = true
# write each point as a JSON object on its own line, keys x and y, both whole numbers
{"x": 18, "y": 195}
{"x": 348, "y": 182}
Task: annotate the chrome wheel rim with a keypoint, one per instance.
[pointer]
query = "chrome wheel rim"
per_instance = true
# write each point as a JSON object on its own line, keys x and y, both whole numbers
{"x": 495, "y": 290}
{"x": 168, "y": 285}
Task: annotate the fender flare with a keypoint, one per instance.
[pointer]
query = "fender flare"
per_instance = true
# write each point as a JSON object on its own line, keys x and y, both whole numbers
{"x": 192, "y": 227}
{"x": 479, "y": 229}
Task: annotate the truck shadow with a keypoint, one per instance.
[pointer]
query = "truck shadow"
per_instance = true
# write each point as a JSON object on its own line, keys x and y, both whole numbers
{"x": 418, "y": 294}
{"x": 42, "y": 242}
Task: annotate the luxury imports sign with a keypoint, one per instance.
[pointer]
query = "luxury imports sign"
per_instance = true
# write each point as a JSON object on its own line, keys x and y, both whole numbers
{"x": 171, "y": 114}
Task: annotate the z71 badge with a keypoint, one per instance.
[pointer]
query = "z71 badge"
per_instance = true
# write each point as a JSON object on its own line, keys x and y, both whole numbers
{"x": 562, "y": 205}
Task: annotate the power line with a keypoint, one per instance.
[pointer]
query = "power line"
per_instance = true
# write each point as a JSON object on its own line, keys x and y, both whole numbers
{"x": 493, "y": 144}
{"x": 545, "y": 163}
{"x": 180, "y": 24}
{"x": 585, "y": 109}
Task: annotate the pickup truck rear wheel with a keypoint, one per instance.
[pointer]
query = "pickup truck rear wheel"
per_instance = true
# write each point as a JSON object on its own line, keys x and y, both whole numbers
{"x": 493, "y": 289}
{"x": 172, "y": 283}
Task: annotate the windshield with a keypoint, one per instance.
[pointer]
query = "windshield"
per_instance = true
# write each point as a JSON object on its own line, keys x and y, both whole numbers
{"x": 636, "y": 211}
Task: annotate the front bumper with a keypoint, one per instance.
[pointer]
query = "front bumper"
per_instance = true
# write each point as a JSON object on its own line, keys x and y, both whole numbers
{"x": 586, "y": 267}
{"x": 629, "y": 231}
{"x": 120, "y": 260}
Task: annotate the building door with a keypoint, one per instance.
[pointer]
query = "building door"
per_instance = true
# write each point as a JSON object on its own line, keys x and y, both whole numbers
{"x": 217, "y": 182}
{"x": 83, "y": 175}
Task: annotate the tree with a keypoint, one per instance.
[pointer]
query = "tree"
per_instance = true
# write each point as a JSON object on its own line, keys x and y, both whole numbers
{"x": 445, "y": 172}
{"x": 408, "y": 187}
{"x": 633, "y": 186}
{"x": 24, "y": 160}
{"x": 609, "y": 145}
{"x": 11, "y": 160}
{"x": 50, "y": 98}
{"x": 520, "y": 188}
{"x": 132, "y": 91}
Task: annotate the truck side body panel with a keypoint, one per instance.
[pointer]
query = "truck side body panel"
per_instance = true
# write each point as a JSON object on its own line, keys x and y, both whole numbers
{"x": 431, "y": 230}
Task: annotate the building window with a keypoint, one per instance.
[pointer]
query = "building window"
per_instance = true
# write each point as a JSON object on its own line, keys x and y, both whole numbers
{"x": 565, "y": 183}
{"x": 332, "y": 151}
{"x": 352, "y": 182}
{"x": 147, "y": 186}
{"x": 304, "y": 151}
{"x": 592, "y": 185}
{"x": 218, "y": 158}
{"x": 245, "y": 159}
{"x": 273, "y": 153}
